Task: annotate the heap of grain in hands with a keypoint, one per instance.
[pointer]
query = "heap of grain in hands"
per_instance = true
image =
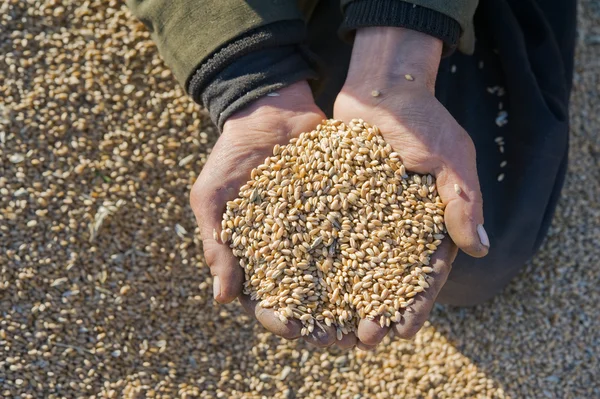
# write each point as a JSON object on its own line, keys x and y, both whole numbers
{"x": 332, "y": 229}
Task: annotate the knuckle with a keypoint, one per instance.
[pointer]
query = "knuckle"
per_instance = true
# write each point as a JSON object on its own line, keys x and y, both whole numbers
{"x": 407, "y": 332}
{"x": 260, "y": 312}
{"x": 318, "y": 342}
{"x": 412, "y": 326}
{"x": 210, "y": 254}
{"x": 289, "y": 331}
{"x": 365, "y": 348}
{"x": 346, "y": 342}
{"x": 477, "y": 201}
{"x": 374, "y": 337}
{"x": 225, "y": 298}
{"x": 325, "y": 342}
{"x": 371, "y": 340}
{"x": 321, "y": 339}
{"x": 288, "y": 334}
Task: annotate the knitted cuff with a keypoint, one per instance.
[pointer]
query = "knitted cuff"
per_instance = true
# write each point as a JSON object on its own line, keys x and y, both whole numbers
{"x": 364, "y": 13}
{"x": 257, "y": 63}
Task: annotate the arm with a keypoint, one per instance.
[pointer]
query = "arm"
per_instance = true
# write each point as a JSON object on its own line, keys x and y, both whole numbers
{"x": 228, "y": 53}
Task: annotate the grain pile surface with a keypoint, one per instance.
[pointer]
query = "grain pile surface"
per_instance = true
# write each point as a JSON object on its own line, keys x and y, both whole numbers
{"x": 332, "y": 229}
{"x": 103, "y": 288}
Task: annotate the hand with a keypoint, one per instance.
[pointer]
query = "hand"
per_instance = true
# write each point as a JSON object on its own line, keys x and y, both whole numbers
{"x": 390, "y": 84}
{"x": 248, "y": 138}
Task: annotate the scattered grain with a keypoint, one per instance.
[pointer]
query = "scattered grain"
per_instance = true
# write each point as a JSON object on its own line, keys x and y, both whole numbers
{"x": 82, "y": 339}
{"x": 502, "y": 118}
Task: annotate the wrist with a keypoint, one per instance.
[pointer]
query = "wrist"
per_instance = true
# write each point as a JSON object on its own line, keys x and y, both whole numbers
{"x": 383, "y": 56}
{"x": 290, "y": 100}
{"x": 277, "y": 113}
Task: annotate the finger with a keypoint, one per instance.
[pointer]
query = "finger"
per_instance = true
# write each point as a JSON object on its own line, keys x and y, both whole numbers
{"x": 370, "y": 332}
{"x": 348, "y": 341}
{"x": 266, "y": 317}
{"x": 227, "y": 274}
{"x": 322, "y": 336}
{"x": 208, "y": 203}
{"x": 364, "y": 347}
{"x": 414, "y": 316}
{"x": 458, "y": 186}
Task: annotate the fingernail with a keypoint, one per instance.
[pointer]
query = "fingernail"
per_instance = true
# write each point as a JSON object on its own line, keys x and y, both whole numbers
{"x": 216, "y": 287}
{"x": 483, "y": 237}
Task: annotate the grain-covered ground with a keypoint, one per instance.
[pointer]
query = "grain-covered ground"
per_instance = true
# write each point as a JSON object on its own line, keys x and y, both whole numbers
{"x": 103, "y": 288}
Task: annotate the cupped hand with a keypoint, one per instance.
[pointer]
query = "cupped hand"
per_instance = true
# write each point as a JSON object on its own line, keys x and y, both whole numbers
{"x": 248, "y": 138}
{"x": 390, "y": 84}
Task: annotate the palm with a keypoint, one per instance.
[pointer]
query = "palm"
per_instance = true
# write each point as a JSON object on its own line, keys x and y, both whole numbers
{"x": 419, "y": 128}
{"x": 428, "y": 140}
{"x": 245, "y": 143}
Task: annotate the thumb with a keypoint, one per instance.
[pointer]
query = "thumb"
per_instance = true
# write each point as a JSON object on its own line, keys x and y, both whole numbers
{"x": 228, "y": 276}
{"x": 458, "y": 186}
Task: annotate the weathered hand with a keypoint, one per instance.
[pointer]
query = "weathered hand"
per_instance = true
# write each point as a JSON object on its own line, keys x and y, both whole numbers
{"x": 390, "y": 84}
{"x": 247, "y": 139}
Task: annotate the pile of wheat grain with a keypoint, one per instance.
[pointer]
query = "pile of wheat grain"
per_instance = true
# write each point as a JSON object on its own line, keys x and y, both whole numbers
{"x": 332, "y": 229}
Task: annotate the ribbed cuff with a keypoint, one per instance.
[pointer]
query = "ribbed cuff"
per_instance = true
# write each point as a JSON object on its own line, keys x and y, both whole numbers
{"x": 364, "y": 13}
{"x": 257, "y": 63}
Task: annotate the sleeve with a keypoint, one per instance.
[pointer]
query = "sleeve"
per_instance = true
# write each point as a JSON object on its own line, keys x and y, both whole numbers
{"x": 449, "y": 21}
{"x": 227, "y": 53}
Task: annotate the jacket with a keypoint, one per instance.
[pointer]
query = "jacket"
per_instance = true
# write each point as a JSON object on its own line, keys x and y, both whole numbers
{"x": 226, "y": 53}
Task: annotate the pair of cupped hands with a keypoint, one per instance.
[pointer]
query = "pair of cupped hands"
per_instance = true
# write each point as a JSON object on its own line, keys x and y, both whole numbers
{"x": 411, "y": 120}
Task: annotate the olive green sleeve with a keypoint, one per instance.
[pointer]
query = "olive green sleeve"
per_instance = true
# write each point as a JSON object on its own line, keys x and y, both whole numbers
{"x": 461, "y": 11}
{"x": 187, "y": 32}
